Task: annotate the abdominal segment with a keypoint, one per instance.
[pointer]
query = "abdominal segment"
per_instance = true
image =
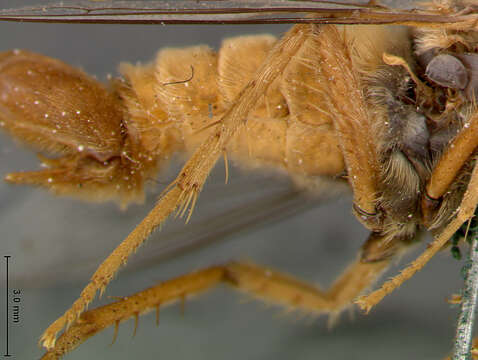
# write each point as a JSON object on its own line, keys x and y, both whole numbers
{"x": 172, "y": 104}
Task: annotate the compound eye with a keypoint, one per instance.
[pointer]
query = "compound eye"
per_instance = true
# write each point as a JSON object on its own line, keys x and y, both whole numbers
{"x": 470, "y": 60}
{"x": 447, "y": 71}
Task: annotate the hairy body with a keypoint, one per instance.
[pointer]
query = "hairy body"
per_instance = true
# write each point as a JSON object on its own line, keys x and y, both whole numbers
{"x": 125, "y": 153}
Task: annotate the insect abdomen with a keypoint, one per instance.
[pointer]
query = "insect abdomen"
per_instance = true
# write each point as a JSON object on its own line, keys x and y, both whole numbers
{"x": 190, "y": 89}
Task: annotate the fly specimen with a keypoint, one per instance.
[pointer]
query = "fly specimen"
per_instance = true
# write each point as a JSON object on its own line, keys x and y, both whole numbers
{"x": 348, "y": 89}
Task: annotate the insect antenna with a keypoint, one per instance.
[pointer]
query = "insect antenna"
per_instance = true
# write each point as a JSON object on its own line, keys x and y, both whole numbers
{"x": 422, "y": 88}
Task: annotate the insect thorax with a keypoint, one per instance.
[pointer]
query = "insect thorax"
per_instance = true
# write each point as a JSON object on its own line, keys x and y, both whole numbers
{"x": 421, "y": 101}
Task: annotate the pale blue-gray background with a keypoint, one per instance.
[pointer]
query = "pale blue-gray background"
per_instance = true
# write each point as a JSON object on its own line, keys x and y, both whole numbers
{"x": 56, "y": 243}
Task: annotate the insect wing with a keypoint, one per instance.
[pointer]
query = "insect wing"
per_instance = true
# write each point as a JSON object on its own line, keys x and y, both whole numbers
{"x": 69, "y": 245}
{"x": 224, "y": 12}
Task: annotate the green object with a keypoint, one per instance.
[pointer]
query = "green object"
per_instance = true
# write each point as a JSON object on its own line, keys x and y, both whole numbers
{"x": 455, "y": 252}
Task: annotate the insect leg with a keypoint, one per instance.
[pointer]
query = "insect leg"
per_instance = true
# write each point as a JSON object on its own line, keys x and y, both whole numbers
{"x": 455, "y": 156}
{"x": 265, "y": 284}
{"x": 191, "y": 179}
{"x": 464, "y": 212}
{"x": 350, "y": 116}
{"x": 93, "y": 321}
{"x": 274, "y": 287}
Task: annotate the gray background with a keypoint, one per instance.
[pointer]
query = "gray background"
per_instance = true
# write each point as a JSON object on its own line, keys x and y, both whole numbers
{"x": 56, "y": 244}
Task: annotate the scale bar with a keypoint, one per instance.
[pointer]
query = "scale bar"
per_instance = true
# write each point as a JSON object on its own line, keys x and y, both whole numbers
{"x": 7, "y": 354}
